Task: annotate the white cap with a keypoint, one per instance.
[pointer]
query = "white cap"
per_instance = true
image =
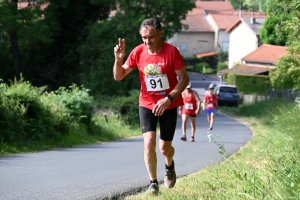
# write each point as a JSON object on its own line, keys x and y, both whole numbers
{"x": 189, "y": 85}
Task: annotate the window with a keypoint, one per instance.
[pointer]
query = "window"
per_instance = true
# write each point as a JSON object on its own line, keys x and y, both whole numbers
{"x": 183, "y": 47}
{"x": 225, "y": 46}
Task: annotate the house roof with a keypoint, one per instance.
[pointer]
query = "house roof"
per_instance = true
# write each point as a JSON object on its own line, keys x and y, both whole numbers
{"x": 233, "y": 25}
{"x": 248, "y": 69}
{"x": 266, "y": 54}
{"x": 250, "y": 14}
{"x": 224, "y": 21}
{"x": 255, "y": 25}
{"x": 207, "y": 54}
{"x": 196, "y": 21}
{"x": 215, "y": 6}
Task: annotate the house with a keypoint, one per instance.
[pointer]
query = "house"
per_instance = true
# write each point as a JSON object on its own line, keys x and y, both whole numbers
{"x": 260, "y": 61}
{"x": 199, "y": 38}
{"x": 220, "y": 23}
{"x": 244, "y": 37}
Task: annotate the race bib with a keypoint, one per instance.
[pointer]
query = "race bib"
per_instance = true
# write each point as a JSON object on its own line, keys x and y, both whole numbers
{"x": 188, "y": 106}
{"x": 210, "y": 105}
{"x": 157, "y": 83}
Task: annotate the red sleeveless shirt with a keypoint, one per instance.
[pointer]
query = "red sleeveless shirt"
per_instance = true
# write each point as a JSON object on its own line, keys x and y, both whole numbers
{"x": 190, "y": 105}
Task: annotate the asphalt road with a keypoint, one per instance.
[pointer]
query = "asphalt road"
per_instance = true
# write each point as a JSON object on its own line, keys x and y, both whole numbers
{"x": 111, "y": 169}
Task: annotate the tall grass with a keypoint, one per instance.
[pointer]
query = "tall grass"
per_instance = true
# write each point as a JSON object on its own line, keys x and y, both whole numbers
{"x": 267, "y": 167}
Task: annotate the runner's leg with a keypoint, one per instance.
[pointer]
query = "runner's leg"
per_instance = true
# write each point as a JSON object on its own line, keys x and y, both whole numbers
{"x": 184, "y": 121}
{"x": 193, "y": 125}
{"x": 150, "y": 154}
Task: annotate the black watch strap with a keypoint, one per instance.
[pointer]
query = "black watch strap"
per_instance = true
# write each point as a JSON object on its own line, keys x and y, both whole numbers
{"x": 170, "y": 98}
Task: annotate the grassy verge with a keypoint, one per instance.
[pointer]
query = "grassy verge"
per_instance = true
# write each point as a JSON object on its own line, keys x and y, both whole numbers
{"x": 103, "y": 131}
{"x": 266, "y": 168}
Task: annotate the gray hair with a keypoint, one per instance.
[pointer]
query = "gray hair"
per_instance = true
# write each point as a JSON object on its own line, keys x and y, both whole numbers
{"x": 151, "y": 22}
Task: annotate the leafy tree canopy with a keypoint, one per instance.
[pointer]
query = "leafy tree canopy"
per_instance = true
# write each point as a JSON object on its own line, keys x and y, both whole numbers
{"x": 287, "y": 72}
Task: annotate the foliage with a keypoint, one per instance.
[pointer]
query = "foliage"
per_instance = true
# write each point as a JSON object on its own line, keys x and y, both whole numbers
{"x": 222, "y": 56}
{"x": 57, "y": 51}
{"x": 199, "y": 67}
{"x": 189, "y": 68}
{"x": 286, "y": 73}
{"x": 28, "y": 115}
{"x": 96, "y": 53}
{"x": 125, "y": 107}
{"x": 221, "y": 66}
{"x": 236, "y": 4}
{"x": 249, "y": 84}
{"x": 272, "y": 31}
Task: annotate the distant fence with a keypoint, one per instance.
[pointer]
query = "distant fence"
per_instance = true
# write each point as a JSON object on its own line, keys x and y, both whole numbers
{"x": 290, "y": 94}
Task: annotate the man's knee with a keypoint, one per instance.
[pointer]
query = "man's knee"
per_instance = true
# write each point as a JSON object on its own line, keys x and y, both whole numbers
{"x": 166, "y": 148}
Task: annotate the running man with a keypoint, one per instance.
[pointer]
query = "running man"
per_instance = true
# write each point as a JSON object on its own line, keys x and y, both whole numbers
{"x": 190, "y": 109}
{"x": 159, "y": 63}
{"x": 210, "y": 103}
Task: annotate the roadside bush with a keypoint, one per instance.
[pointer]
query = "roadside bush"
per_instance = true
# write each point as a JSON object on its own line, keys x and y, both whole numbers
{"x": 199, "y": 67}
{"x": 125, "y": 107}
{"x": 221, "y": 66}
{"x": 73, "y": 102}
{"x": 23, "y": 117}
{"x": 28, "y": 115}
{"x": 189, "y": 67}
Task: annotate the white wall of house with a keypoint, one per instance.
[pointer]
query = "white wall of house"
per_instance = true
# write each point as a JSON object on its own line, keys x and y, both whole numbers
{"x": 242, "y": 41}
{"x": 190, "y": 44}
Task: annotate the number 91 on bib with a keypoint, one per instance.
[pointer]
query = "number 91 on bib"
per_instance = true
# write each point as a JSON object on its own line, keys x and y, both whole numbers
{"x": 157, "y": 83}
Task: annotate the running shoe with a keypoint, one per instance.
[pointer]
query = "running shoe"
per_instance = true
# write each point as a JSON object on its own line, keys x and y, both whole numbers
{"x": 153, "y": 188}
{"x": 192, "y": 139}
{"x": 210, "y": 128}
{"x": 170, "y": 177}
{"x": 183, "y": 138}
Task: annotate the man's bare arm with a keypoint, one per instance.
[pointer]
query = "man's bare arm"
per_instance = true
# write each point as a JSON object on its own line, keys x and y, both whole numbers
{"x": 120, "y": 70}
{"x": 184, "y": 80}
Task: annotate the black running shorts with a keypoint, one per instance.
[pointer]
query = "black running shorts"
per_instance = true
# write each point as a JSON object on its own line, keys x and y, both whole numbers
{"x": 167, "y": 122}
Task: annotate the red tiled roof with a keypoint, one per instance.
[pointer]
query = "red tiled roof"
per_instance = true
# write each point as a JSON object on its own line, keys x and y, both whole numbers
{"x": 248, "y": 69}
{"x": 233, "y": 25}
{"x": 207, "y": 54}
{"x": 266, "y": 54}
{"x": 224, "y": 21}
{"x": 215, "y": 6}
{"x": 196, "y": 21}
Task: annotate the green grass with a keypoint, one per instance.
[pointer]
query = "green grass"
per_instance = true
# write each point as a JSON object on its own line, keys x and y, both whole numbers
{"x": 267, "y": 167}
{"x": 102, "y": 132}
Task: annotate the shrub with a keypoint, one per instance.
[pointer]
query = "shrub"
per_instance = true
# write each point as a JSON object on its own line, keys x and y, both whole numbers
{"x": 199, "y": 67}
{"x": 221, "y": 66}
{"x": 27, "y": 115}
{"x": 23, "y": 117}
{"x": 73, "y": 102}
{"x": 189, "y": 67}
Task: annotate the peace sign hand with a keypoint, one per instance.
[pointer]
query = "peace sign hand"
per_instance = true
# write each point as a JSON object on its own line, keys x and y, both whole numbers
{"x": 120, "y": 49}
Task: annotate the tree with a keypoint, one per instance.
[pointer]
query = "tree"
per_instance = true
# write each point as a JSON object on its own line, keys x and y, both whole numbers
{"x": 238, "y": 4}
{"x": 287, "y": 71}
{"x": 272, "y": 31}
{"x": 97, "y": 53}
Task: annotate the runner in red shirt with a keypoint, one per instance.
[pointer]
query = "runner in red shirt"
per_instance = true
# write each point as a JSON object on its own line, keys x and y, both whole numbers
{"x": 190, "y": 109}
{"x": 158, "y": 63}
{"x": 210, "y": 103}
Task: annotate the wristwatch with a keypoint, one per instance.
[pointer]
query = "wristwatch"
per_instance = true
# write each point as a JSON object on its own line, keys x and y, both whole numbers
{"x": 170, "y": 98}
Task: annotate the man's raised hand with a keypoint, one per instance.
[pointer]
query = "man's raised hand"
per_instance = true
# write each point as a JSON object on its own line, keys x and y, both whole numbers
{"x": 120, "y": 49}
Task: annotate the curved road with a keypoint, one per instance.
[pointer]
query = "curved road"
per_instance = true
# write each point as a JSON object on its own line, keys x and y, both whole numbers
{"x": 111, "y": 169}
